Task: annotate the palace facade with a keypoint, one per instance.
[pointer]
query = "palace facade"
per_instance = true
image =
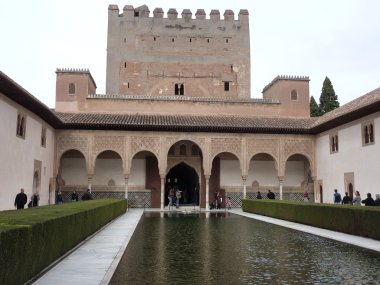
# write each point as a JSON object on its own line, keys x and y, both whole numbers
{"x": 178, "y": 112}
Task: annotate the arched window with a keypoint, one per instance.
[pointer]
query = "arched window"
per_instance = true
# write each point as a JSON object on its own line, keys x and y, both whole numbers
{"x": 71, "y": 89}
{"x": 334, "y": 145}
{"x": 368, "y": 136}
{"x": 43, "y": 136}
{"x": 20, "y": 131}
{"x": 294, "y": 95}
{"x": 182, "y": 150}
{"x": 371, "y": 136}
{"x": 179, "y": 89}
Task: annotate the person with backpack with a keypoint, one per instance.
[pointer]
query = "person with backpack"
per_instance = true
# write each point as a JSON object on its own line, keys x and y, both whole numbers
{"x": 337, "y": 198}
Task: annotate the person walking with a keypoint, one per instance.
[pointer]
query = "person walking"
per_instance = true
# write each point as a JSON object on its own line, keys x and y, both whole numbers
{"x": 347, "y": 199}
{"x": 21, "y": 200}
{"x": 178, "y": 196}
{"x": 337, "y": 198}
{"x": 357, "y": 199}
{"x": 369, "y": 200}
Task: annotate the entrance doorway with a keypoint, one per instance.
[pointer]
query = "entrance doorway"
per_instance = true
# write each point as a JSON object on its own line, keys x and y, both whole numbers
{"x": 186, "y": 179}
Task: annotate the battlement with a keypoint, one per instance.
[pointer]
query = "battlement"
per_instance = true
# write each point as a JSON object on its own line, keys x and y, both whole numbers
{"x": 286, "y": 77}
{"x": 72, "y": 70}
{"x": 129, "y": 12}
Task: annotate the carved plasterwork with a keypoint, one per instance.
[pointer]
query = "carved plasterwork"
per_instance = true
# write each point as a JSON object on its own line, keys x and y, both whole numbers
{"x": 304, "y": 147}
{"x": 71, "y": 141}
{"x": 201, "y": 142}
{"x": 114, "y": 143}
{"x": 145, "y": 143}
{"x": 268, "y": 146}
{"x": 231, "y": 145}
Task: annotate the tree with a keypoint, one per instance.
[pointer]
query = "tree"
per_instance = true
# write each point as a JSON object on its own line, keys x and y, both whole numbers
{"x": 328, "y": 100}
{"x": 314, "y": 108}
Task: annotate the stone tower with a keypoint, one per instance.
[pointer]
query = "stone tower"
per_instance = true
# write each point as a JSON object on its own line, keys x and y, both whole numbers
{"x": 157, "y": 56}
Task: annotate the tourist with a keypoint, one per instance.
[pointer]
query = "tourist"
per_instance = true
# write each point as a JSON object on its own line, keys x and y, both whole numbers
{"x": 337, "y": 198}
{"x": 357, "y": 199}
{"x": 35, "y": 199}
{"x": 178, "y": 196}
{"x": 347, "y": 199}
{"x": 87, "y": 196}
{"x": 228, "y": 203}
{"x": 59, "y": 197}
{"x": 258, "y": 196}
{"x": 74, "y": 196}
{"x": 271, "y": 195}
{"x": 369, "y": 201}
{"x": 20, "y": 200}
{"x": 377, "y": 200}
{"x": 171, "y": 197}
{"x": 306, "y": 196}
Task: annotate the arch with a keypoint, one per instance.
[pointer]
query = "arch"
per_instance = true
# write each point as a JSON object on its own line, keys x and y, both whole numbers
{"x": 108, "y": 165}
{"x": 186, "y": 179}
{"x": 275, "y": 159}
{"x": 226, "y": 153}
{"x": 308, "y": 158}
{"x": 262, "y": 169}
{"x": 139, "y": 153}
{"x": 73, "y": 168}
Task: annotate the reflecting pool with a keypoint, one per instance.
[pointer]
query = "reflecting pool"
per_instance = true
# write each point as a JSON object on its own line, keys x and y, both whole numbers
{"x": 222, "y": 248}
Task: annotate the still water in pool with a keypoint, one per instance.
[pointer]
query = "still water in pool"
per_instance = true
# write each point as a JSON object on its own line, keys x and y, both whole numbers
{"x": 222, "y": 248}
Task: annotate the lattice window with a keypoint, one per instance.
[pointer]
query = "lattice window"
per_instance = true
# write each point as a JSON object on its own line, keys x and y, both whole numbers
{"x": 294, "y": 95}
{"x": 71, "y": 89}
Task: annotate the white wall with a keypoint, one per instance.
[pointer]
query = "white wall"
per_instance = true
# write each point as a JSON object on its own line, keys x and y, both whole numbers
{"x": 73, "y": 171}
{"x": 18, "y": 154}
{"x": 363, "y": 161}
{"x": 107, "y": 169}
{"x": 263, "y": 172}
{"x": 138, "y": 173}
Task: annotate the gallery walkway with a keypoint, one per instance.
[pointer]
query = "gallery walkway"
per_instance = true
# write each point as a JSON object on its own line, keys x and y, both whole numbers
{"x": 95, "y": 260}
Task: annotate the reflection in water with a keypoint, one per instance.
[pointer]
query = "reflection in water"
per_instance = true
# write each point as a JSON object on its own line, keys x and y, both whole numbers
{"x": 230, "y": 249}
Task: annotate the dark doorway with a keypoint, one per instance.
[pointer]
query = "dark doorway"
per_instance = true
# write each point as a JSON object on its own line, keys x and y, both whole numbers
{"x": 321, "y": 193}
{"x": 351, "y": 190}
{"x": 186, "y": 179}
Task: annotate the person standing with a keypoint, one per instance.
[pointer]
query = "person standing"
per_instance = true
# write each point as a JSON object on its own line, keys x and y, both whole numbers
{"x": 347, "y": 199}
{"x": 35, "y": 199}
{"x": 59, "y": 197}
{"x": 178, "y": 196}
{"x": 171, "y": 197}
{"x": 357, "y": 199}
{"x": 74, "y": 196}
{"x": 21, "y": 199}
{"x": 228, "y": 203}
{"x": 377, "y": 200}
{"x": 87, "y": 195}
{"x": 270, "y": 195}
{"x": 337, "y": 198}
{"x": 306, "y": 196}
{"x": 259, "y": 195}
{"x": 369, "y": 201}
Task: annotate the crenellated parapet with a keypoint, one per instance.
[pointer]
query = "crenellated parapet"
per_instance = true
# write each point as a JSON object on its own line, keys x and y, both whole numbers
{"x": 129, "y": 12}
{"x": 286, "y": 77}
{"x": 72, "y": 70}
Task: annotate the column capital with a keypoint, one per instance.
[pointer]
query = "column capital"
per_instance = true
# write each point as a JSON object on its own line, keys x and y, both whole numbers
{"x": 244, "y": 177}
{"x": 207, "y": 177}
{"x": 280, "y": 178}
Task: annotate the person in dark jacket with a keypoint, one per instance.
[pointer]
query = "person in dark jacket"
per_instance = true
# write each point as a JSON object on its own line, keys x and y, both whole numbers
{"x": 347, "y": 199}
{"x": 87, "y": 196}
{"x": 21, "y": 199}
{"x": 270, "y": 195}
{"x": 369, "y": 201}
{"x": 377, "y": 200}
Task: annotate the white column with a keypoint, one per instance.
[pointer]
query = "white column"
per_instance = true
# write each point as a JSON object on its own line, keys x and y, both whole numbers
{"x": 126, "y": 186}
{"x": 162, "y": 192}
{"x": 244, "y": 178}
{"x": 89, "y": 179}
{"x": 280, "y": 180}
{"x": 207, "y": 177}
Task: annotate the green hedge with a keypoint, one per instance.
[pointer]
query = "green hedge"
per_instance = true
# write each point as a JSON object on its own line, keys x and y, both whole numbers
{"x": 362, "y": 221}
{"x": 31, "y": 239}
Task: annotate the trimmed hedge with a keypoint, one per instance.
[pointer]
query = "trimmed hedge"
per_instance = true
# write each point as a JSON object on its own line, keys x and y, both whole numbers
{"x": 362, "y": 221}
{"x": 31, "y": 239}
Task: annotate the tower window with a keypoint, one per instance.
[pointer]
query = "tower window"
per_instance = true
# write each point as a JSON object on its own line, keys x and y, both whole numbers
{"x": 179, "y": 89}
{"x": 208, "y": 40}
{"x": 172, "y": 40}
{"x": 226, "y": 41}
{"x": 154, "y": 38}
{"x": 226, "y": 86}
{"x": 294, "y": 95}
{"x": 71, "y": 89}
{"x": 136, "y": 13}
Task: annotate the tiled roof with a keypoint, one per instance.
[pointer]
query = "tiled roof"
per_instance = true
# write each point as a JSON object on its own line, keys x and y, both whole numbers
{"x": 185, "y": 123}
{"x": 362, "y": 106}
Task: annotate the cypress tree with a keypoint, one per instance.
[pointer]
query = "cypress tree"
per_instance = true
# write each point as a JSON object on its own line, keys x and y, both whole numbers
{"x": 314, "y": 109}
{"x": 328, "y": 100}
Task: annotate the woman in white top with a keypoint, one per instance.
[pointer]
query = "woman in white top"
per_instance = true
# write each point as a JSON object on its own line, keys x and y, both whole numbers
{"x": 356, "y": 200}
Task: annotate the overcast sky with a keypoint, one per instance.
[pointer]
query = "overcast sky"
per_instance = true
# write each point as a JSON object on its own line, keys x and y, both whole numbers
{"x": 316, "y": 38}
